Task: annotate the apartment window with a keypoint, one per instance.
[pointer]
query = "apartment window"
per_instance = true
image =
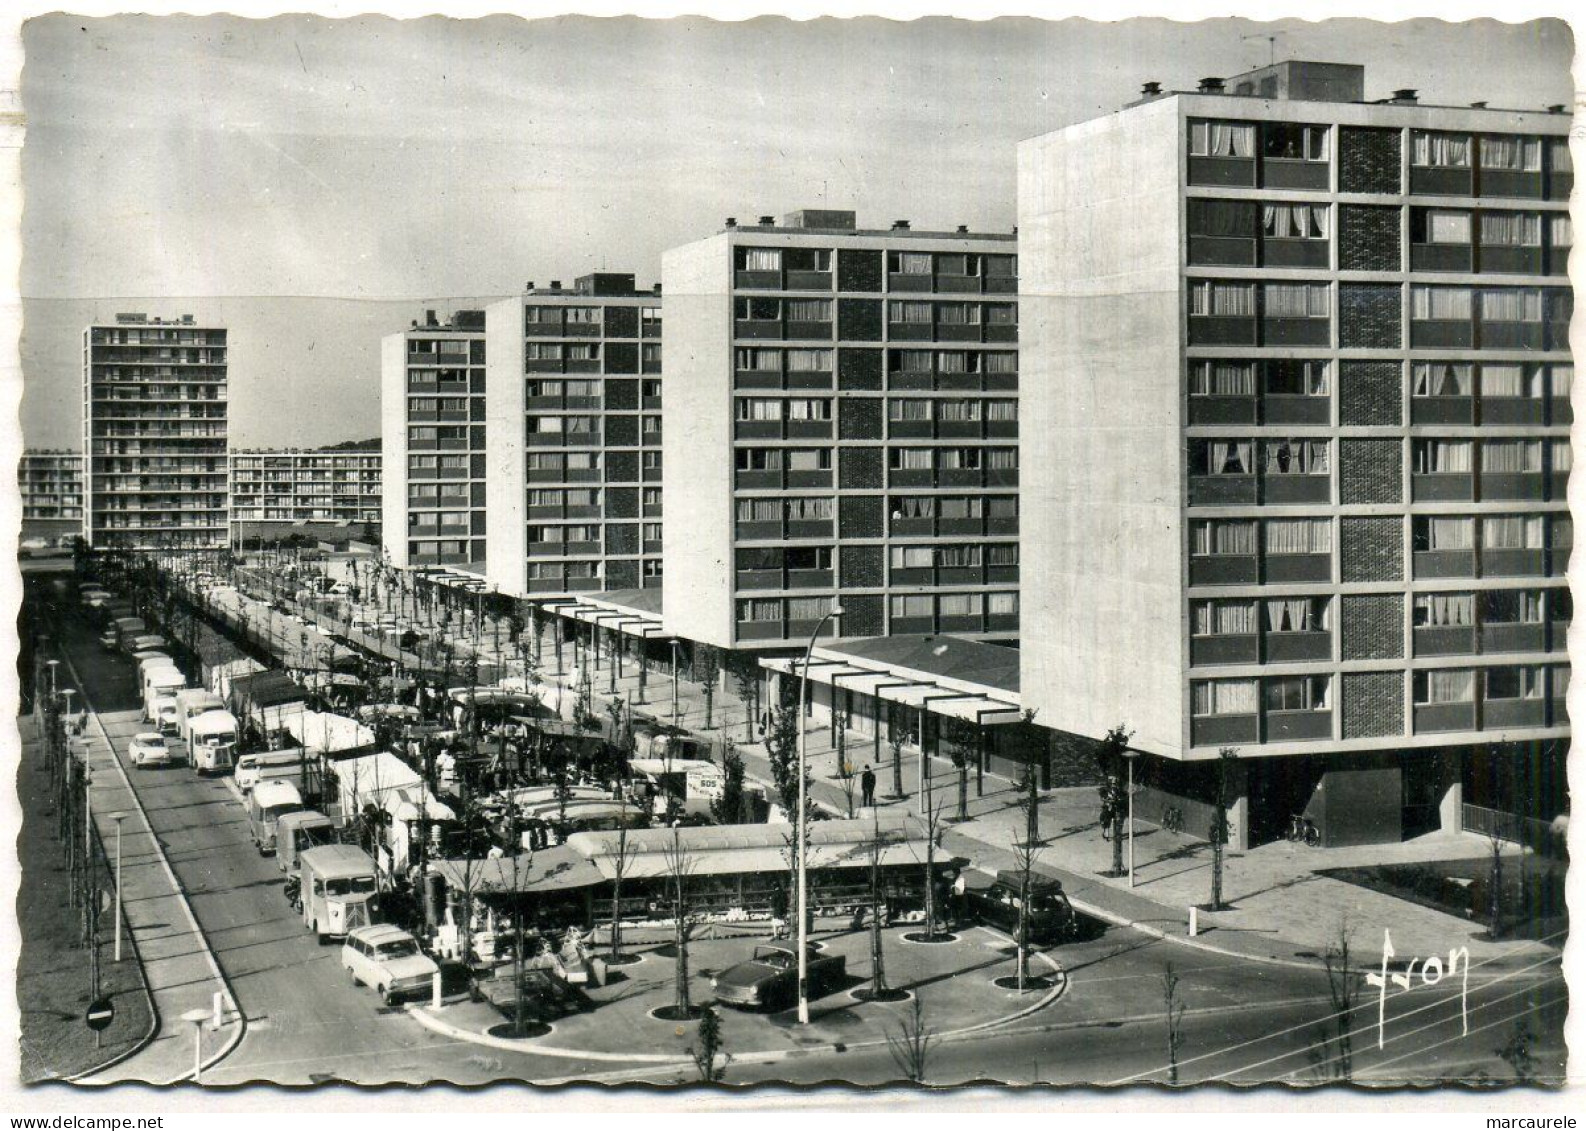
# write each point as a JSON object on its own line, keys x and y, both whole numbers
{"x": 1223, "y": 697}
{"x": 1298, "y": 693}
{"x": 809, "y": 310}
{"x": 807, "y": 259}
{"x": 1002, "y": 554}
{"x": 649, "y": 388}
{"x": 583, "y": 315}
{"x": 650, "y": 497}
{"x": 911, "y": 557}
{"x": 421, "y": 493}
{"x": 809, "y": 410}
{"x": 759, "y": 510}
{"x": 958, "y": 557}
{"x": 809, "y": 361}
{"x": 422, "y": 435}
{"x": 1222, "y": 300}
{"x": 1222, "y": 139}
{"x": 1222, "y": 378}
{"x": 954, "y": 361}
{"x": 1294, "y": 221}
{"x": 650, "y": 425}
{"x": 583, "y": 353}
{"x": 1006, "y": 362}
{"x": 914, "y": 506}
{"x": 758, "y": 459}
{"x": 1562, "y": 455}
{"x": 909, "y": 263}
{"x": 421, "y": 404}
{"x": 1453, "y": 685}
{"x": 1441, "y": 379}
{"x": 544, "y": 389}
{"x": 583, "y": 498}
{"x": 539, "y": 351}
{"x": 1297, "y": 614}
{"x": 809, "y": 459}
{"x": 651, "y": 354}
{"x": 1512, "y": 606}
{"x": 1511, "y": 305}
{"x": 760, "y": 259}
{"x": 910, "y": 313}
{"x": 1296, "y": 300}
{"x": 1003, "y": 410}
{"x": 1515, "y": 683}
{"x": 1002, "y": 314}
{"x": 958, "y": 459}
{"x": 808, "y": 608}
{"x": 957, "y": 314}
{"x": 1561, "y": 231}
{"x": 1512, "y": 532}
{"x": 1222, "y": 218}
{"x": 454, "y": 463}
{"x": 1290, "y": 378}
{"x": 1223, "y": 457}
{"x": 808, "y": 510}
{"x": 1440, "y": 534}
{"x": 910, "y": 459}
{"x": 1288, "y": 141}
{"x": 1005, "y": 266}
{"x": 958, "y": 507}
{"x": 1511, "y": 229}
{"x": 1445, "y": 610}
{"x": 534, "y": 315}
{"x": 653, "y": 568}
{"x": 1441, "y": 226}
{"x": 1439, "y": 150}
{"x": 1298, "y": 535}
{"x": 545, "y": 425}
{"x": 912, "y": 361}
{"x": 757, "y": 309}
{"x": 1442, "y": 457}
{"x": 1520, "y": 154}
{"x": 651, "y": 531}
{"x": 960, "y": 412}
{"x": 545, "y": 498}
{"x": 1220, "y": 537}
{"x": 1295, "y": 457}
{"x": 1441, "y": 304}
{"x": 583, "y": 461}
{"x": 759, "y": 408}
{"x": 1002, "y": 604}
{"x": 759, "y": 611}
{"x": 650, "y": 315}
{"x": 959, "y": 605}
{"x": 912, "y": 606}
{"x": 1223, "y": 618}
{"x": 1511, "y": 456}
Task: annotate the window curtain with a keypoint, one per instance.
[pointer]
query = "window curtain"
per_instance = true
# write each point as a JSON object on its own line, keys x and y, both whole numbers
{"x": 809, "y": 361}
{"x": 1296, "y": 457}
{"x": 759, "y": 510}
{"x": 1560, "y": 231}
{"x": 909, "y": 409}
{"x": 911, "y": 557}
{"x": 1294, "y": 221}
{"x": 1224, "y": 218}
{"x": 1449, "y": 534}
{"x": 1442, "y": 379}
{"x": 1296, "y": 300}
{"x": 911, "y": 459}
{"x": 1289, "y": 615}
{"x": 1003, "y": 362}
{"x": 913, "y": 361}
{"x": 1299, "y": 536}
{"x": 914, "y": 263}
{"x": 1449, "y": 227}
{"x": 1511, "y": 456}
{"x": 960, "y": 412}
{"x": 912, "y": 313}
{"x": 1001, "y": 314}
{"x": 809, "y": 310}
{"x": 913, "y": 506}
{"x": 1230, "y": 458}
{"x": 1511, "y": 229}
{"x": 1232, "y": 538}
{"x": 1225, "y": 697}
{"x": 1510, "y": 381}
{"x": 1002, "y": 410}
{"x": 1512, "y": 532}
{"x": 1563, "y": 456}
{"x": 1002, "y": 604}
{"x": 1442, "y": 457}
{"x": 1002, "y": 459}
{"x": 1223, "y": 300}
{"x": 762, "y": 259}
{"x": 1223, "y": 379}
{"x": 1225, "y": 618}
{"x": 1231, "y": 140}
{"x": 807, "y": 509}
{"x": 952, "y": 361}
{"x": 1446, "y": 150}
{"x": 1451, "y": 304}
{"x": 1516, "y": 153}
{"x": 1511, "y": 306}
{"x": 1457, "y": 686}
{"x": 1448, "y": 610}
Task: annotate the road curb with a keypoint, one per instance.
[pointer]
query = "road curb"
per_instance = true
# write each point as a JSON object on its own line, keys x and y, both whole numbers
{"x": 181, "y": 895}
{"x": 430, "y": 1021}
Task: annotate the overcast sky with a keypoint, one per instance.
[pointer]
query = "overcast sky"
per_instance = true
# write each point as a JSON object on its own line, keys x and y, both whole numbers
{"x": 368, "y": 168}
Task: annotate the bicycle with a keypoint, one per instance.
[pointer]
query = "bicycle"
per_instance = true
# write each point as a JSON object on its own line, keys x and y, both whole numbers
{"x": 1303, "y": 830}
{"x": 1173, "y": 819}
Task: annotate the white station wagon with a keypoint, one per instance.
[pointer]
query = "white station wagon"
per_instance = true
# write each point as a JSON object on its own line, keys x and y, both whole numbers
{"x": 387, "y": 958}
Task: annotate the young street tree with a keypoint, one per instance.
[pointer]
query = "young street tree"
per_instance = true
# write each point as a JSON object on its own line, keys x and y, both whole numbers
{"x": 620, "y": 859}
{"x": 898, "y": 736}
{"x": 846, "y": 778}
{"x": 745, "y": 673}
{"x": 963, "y": 740}
{"x": 1175, "y": 1021}
{"x": 679, "y": 865}
{"x": 707, "y": 671}
{"x": 728, "y": 808}
{"x": 911, "y": 1046}
{"x": 1114, "y": 802}
{"x": 1024, "y": 855}
{"x": 1218, "y": 833}
{"x": 709, "y": 1060}
{"x": 1331, "y": 1053}
{"x": 781, "y": 745}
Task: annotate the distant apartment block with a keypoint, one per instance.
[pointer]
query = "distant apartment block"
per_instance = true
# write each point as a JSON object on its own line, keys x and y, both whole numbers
{"x": 574, "y": 438}
{"x": 51, "y": 485}
{"x": 1296, "y": 401}
{"x": 432, "y": 411}
{"x": 154, "y": 433}
{"x": 336, "y": 485}
{"x": 842, "y": 417}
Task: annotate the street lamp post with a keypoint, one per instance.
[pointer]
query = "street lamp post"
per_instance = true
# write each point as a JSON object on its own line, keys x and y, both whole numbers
{"x": 803, "y": 828}
{"x": 1129, "y": 757}
{"x": 673, "y": 643}
{"x": 196, "y": 1018}
{"x": 118, "y": 818}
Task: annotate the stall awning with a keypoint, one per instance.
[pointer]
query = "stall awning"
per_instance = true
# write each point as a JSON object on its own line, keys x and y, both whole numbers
{"x": 549, "y": 870}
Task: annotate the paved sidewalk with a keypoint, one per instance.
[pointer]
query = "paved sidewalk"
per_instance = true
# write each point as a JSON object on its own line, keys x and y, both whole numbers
{"x": 177, "y": 963}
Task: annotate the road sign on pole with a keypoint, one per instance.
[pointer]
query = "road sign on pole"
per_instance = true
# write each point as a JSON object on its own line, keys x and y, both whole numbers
{"x": 100, "y": 1014}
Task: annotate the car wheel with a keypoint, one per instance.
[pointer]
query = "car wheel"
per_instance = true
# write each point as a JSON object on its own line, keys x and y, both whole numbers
{"x": 353, "y": 975}
{"x": 390, "y": 999}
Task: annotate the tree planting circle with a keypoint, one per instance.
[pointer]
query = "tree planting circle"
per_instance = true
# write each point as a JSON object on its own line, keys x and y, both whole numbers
{"x": 920, "y": 938}
{"x": 1033, "y": 982}
{"x": 507, "y": 1031}
{"x": 673, "y": 1013}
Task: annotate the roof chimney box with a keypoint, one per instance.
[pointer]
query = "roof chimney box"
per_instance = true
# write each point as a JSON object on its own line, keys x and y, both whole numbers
{"x": 1407, "y": 95}
{"x": 768, "y": 221}
{"x": 1150, "y": 89}
{"x": 1211, "y": 85}
{"x": 900, "y": 225}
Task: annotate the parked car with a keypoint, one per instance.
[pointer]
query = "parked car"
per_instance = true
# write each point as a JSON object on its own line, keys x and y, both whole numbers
{"x": 150, "y": 749}
{"x": 997, "y": 905}
{"x": 771, "y": 975}
{"x": 387, "y": 958}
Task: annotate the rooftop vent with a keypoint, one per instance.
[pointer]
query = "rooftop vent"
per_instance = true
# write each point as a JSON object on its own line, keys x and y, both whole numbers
{"x": 1556, "y": 108}
{"x": 963, "y": 229}
{"x": 1478, "y": 105}
{"x": 1211, "y": 85}
{"x": 529, "y": 286}
{"x": 1150, "y": 89}
{"x": 732, "y": 221}
{"x": 556, "y": 284}
{"x": 768, "y": 221}
{"x": 1408, "y": 95}
{"x": 656, "y": 288}
{"x": 900, "y": 225}
{"x": 429, "y": 318}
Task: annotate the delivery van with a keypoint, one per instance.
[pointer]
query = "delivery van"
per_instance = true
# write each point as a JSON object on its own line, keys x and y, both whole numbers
{"x": 267, "y": 804}
{"x": 339, "y": 890}
{"x": 267, "y": 765}
{"x": 194, "y": 701}
{"x": 160, "y": 688}
{"x": 212, "y": 741}
{"x": 296, "y": 833}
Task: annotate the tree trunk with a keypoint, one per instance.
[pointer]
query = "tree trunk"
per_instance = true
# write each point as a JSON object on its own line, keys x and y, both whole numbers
{"x": 616, "y": 917}
{"x": 963, "y": 791}
{"x": 682, "y": 955}
{"x": 1217, "y": 876}
{"x": 1117, "y": 841}
{"x": 1495, "y": 893}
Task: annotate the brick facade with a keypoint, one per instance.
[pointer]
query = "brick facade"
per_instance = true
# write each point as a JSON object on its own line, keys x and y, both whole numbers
{"x": 1370, "y": 316}
{"x": 1368, "y": 160}
{"x": 1370, "y": 471}
{"x": 1373, "y": 704}
{"x": 1372, "y": 549}
{"x": 1371, "y": 626}
{"x": 1370, "y": 392}
{"x": 1368, "y": 237}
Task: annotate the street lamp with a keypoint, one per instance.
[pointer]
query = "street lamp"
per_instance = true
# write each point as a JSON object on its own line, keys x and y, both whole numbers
{"x": 118, "y": 818}
{"x": 52, "y": 665}
{"x": 803, "y": 830}
{"x": 673, "y": 643}
{"x": 196, "y": 1018}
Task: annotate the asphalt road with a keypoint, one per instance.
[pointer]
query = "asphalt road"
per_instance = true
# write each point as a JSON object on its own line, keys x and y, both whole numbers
{"x": 1243, "y": 1022}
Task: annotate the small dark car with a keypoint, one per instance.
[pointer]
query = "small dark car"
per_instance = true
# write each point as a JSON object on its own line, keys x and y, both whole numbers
{"x": 771, "y": 977}
{"x": 997, "y": 905}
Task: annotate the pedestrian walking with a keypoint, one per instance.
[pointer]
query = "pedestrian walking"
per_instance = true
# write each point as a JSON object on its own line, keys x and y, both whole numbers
{"x": 867, "y": 787}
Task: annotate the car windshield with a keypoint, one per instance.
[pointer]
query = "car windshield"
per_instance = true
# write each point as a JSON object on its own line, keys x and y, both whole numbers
{"x": 777, "y": 959}
{"x": 151, "y": 740}
{"x": 398, "y": 948}
{"x": 354, "y": 885}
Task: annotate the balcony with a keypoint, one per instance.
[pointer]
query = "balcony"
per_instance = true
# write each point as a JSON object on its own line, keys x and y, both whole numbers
{"x": 1434, "y": 717}
{"x": 1224, "y": 569}
{"x": 1456, "y": 257}
{"x": 809, "y": 429}
{"x": 759, "y": 579}
{"x": 1509, "y": 260}
{"x": 1228, "y": 172}
{"x": 1222, "y": 490}
{"x": 1442, "y": 334}
{"x": 1282, "y": 569}
{"x": 817, "y": 331}
{"x": 809, "y": 528}
{"x": 1513, "y": 410}
{"x": 1500, "y": 485}
{"x": 1504, "y": 714}
{"x": 1437, "y": 180}
{"x": 808, "y": 281}
{"x": 1514, "y": 637}
{"x": 760, "y": 630}
{"x": 1514, "y": 563}
{"x": 1444, "y": 563}
{"x": 809, "y": 579}
{"x": 1212, "y": 330}
{"x": 1001, "y": 333}
{"x": 1225, "y": 730}
{"x": 1285, "y": 490}
{"x": 1442, "y": 410}
{"x": 1296, "y": 331}
{"x": 808, "y": 379}
{"x": 959, "y": 624}
{"x": 808, "y": 479}
{"x": 1515, "y": 184}
{"x": 1444, "y": 640}
{"x": 1442, "y": 487}
{"x": 910, "y": 626}
{"x": 958, "y": 332}
{"x": 1295, "y": 253}
{"x": 909, "y": 429}
{"x": 1496, "y": 335}
{"x": 1298, "y": 726}
{"x": 958, "y": 477}
{"x": 1221, "y": 251}
{"x": 1206, "y": 651}
{"x": 1222, "y": 410}
{"x": 770, "y": 329}
{"x": 1298, "y": 647}
{"x": 1281, "y": 408}
{"x": 909, "y": 282}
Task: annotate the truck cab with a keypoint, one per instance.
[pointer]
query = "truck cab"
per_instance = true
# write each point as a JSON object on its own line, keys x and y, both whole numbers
{"x": 339, "y": 890}
{"x": 211, "y": 741}
{"x": 296, "y": 833}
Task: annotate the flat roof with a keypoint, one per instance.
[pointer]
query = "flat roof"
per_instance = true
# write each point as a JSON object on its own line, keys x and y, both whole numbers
{"x": 989, "y": 665}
